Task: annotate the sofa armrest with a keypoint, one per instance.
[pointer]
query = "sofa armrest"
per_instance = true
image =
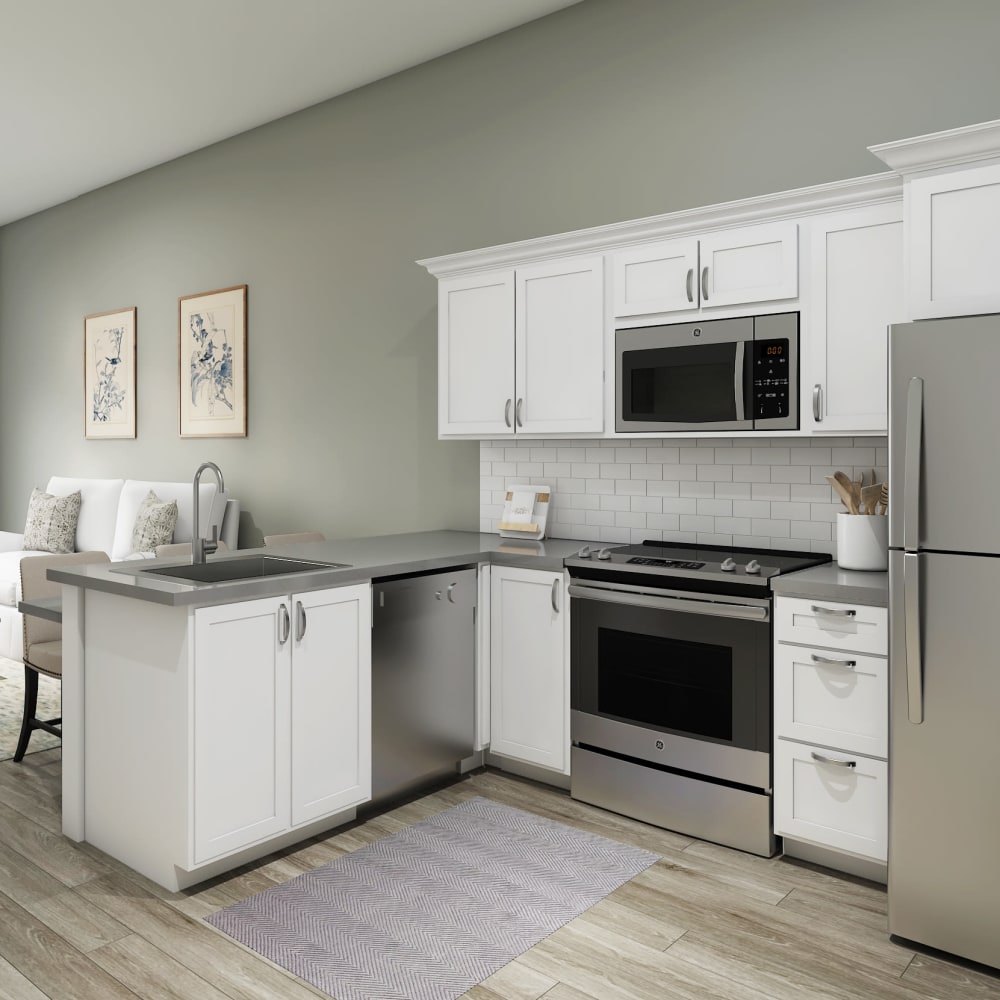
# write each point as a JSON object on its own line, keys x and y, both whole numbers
{"x": 11, "y": 541}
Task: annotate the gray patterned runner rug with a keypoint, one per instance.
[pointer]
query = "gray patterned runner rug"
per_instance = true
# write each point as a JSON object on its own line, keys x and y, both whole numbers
{"x": 434, "y": 909}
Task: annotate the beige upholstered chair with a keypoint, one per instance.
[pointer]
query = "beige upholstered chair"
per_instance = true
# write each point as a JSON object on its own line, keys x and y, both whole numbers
{"x": 43, "y": 638}
{"x": 182, "y": 549}
{"x": 295, "y": 536}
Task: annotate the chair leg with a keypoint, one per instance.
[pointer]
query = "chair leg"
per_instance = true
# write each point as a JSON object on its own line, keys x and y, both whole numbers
{"x": 30, "y": 704}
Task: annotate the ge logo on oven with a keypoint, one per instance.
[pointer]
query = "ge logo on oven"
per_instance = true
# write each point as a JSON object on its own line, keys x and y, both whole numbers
{"x": 659, "y": 744}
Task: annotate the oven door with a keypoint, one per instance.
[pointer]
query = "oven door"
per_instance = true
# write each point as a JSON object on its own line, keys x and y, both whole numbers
{"x": 678, "y": 679}
{"x": 688, "y": 377}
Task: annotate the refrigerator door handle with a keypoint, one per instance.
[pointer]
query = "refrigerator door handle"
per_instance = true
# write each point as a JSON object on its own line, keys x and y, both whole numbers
{"x": 911, "y": 639}
{"x": 912, "y": 471}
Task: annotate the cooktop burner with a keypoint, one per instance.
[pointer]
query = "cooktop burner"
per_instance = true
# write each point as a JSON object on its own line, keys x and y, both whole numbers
{"x": 746, "y": 566}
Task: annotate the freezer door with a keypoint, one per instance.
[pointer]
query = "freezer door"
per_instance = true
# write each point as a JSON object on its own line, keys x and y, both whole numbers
{"x": 944, "y": 772}
{"x": 942, "y": 474}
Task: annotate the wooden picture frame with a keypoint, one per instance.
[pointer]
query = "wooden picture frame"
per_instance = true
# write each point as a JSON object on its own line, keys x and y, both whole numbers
{"x": 109, "y": 381}
{"x": 212, "y": 363}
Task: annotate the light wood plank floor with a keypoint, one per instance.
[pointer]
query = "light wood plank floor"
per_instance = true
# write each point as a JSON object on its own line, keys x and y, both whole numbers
{"x": 704, "y": 922}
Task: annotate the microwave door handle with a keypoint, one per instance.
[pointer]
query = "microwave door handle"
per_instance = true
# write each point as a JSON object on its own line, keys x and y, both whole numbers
{"x": 738, "y": 379}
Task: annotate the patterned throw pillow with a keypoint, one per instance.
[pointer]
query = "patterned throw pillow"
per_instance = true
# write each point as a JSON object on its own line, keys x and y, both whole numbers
{"x": 154, "y": 524}
{"x": 51, "y": 524}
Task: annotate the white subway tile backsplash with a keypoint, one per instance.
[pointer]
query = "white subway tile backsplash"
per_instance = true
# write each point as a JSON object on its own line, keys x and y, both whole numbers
{"x": 769, "y": 493}
{"x": 663, "y": 489}
{"x": 751, "y": 508}
{"x": 715, "y": 472}
{"x": 615, "y": 470}
{"x": 631, "y": 487}
{"x": 751, "y": 473}
{"x": 646, "y": 505}
{"x": 616, "y": 503}
{"x": 733, "y": 491}
{"x": 770, "y": 456}
{"x": 647, "y": 471}
{"x": 697, "y": 522}
{"x": 789, "y": 474}
{"x": 680, "y": 471}
{"x": 696, "y": 489}
{"x": 717, "y": 508}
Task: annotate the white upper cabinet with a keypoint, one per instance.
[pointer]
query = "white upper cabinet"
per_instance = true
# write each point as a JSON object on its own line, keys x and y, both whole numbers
{"x": 476, "y": 354}
{"x": 656, "y": 278}
{"x": 955, "y": 243}
{"x": 725, "y": 268}
{"x": 755, "y": 264}
{"x": 559, "y": 347}
{"x": 952, "y": 200}
{"x": 522, "y": 351}
{"x": 855, "y": 291}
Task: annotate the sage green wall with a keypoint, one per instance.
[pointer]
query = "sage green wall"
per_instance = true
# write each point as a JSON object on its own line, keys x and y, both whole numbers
{"x": 609, "y": 110}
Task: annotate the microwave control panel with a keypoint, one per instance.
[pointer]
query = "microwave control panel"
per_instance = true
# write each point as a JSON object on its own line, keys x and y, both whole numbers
{"x": 770, "y": 379}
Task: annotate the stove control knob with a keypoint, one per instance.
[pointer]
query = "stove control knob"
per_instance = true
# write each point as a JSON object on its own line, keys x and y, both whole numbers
{"x": 584, "y": 553}
{"x": 728, "y": 565}
{"x": 753, "y": 567}
{"x": 604, "y": 554}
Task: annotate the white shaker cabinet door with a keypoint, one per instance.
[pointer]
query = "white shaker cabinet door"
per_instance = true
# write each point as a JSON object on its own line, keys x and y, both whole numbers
{"x": 752, "y": 264}
{"x": 559, "y": 347}
{"x": 240, "y": 726}
{"x": 856, "y": 292}
{"x": 476, "y": 354}
{"x": 529, "y": 667}
{"x": 954, "y": 242}
{"x": 330, "y": 701}
{"x": 656, "y": 278}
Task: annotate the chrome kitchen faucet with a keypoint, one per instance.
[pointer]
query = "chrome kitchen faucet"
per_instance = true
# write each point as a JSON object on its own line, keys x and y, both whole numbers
{"x": 200, "y": 547}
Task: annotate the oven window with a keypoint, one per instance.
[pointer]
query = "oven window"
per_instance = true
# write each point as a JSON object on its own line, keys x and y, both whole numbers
{"x": 680, "y": 384}
{"x": 666, "y": 683}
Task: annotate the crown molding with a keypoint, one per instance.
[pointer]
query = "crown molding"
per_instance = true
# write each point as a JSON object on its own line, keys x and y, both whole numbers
{"x": 855, "y": 192}
{"x": 954, "y": 147}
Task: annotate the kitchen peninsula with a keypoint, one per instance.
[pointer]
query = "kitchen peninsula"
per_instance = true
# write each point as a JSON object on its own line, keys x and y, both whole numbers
{"x": 198, "y": 732}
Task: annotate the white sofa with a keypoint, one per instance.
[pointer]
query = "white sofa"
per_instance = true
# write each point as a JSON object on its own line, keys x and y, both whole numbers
{"x": 108, "y": 511}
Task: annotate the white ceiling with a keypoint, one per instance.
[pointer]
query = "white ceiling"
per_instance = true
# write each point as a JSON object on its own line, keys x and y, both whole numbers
{"x": 95, "y": 90}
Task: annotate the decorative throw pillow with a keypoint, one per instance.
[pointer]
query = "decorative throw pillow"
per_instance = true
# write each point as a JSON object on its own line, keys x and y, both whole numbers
{"x": 51, "y": 524}
{"x": 154, "y": 524}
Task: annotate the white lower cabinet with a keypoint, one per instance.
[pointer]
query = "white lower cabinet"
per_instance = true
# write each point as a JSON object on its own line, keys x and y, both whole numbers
{"x": 529, "y": 667}
{"x": 831, "y": 715}
{"x": 280, "y": 715}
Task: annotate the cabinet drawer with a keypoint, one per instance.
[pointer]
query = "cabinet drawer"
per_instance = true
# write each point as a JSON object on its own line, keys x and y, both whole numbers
{"x": 843, "y": 703}
{"x": 851, "y": 627}
{"x": 845, "y": 808}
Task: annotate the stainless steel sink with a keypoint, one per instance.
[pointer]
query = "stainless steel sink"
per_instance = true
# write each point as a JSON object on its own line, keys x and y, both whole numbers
{"x": 241, "y": 568}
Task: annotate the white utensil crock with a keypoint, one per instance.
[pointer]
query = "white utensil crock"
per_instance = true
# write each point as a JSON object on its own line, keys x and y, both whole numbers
{"x": 862, "y": 541}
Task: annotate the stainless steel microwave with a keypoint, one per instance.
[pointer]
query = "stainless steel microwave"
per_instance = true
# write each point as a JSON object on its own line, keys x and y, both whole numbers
{"x": 737, "y": 374}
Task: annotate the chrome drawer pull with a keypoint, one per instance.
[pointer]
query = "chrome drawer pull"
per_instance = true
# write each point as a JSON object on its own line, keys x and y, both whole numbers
{"x": 830, "y": 760}
{"x": 840, "y": 612}
{"x": 849, "y": 664}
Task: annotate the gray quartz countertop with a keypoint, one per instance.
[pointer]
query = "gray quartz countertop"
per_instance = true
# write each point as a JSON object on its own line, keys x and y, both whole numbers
{"x": 366, "y": 558}
{"x": 832, "y": 583}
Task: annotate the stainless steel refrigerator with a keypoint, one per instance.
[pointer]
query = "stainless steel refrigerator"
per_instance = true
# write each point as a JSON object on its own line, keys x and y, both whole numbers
{"x": 944, "y": 596}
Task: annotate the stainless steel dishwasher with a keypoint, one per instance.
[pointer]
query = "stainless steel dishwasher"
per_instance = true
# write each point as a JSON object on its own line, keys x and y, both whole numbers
{"x": 423, "y": 678}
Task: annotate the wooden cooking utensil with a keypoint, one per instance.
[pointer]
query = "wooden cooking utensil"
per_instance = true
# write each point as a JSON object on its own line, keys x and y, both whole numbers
{"x": 884, "y": 498}
{"x": 851, "y": 495}
{"x": 845, "y": 494}
{"x": 870, "y": 497}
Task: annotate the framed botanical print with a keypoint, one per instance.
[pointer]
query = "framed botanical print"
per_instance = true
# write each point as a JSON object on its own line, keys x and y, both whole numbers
{"x": 212, "y": 354}
{"x": 109, "y": 374}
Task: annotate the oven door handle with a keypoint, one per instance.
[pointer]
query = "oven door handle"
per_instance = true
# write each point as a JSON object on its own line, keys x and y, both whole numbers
{"x": 694, "y": 607}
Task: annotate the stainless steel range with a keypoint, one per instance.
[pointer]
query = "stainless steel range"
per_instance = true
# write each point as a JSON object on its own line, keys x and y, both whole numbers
{"x": 671, "y": 685}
